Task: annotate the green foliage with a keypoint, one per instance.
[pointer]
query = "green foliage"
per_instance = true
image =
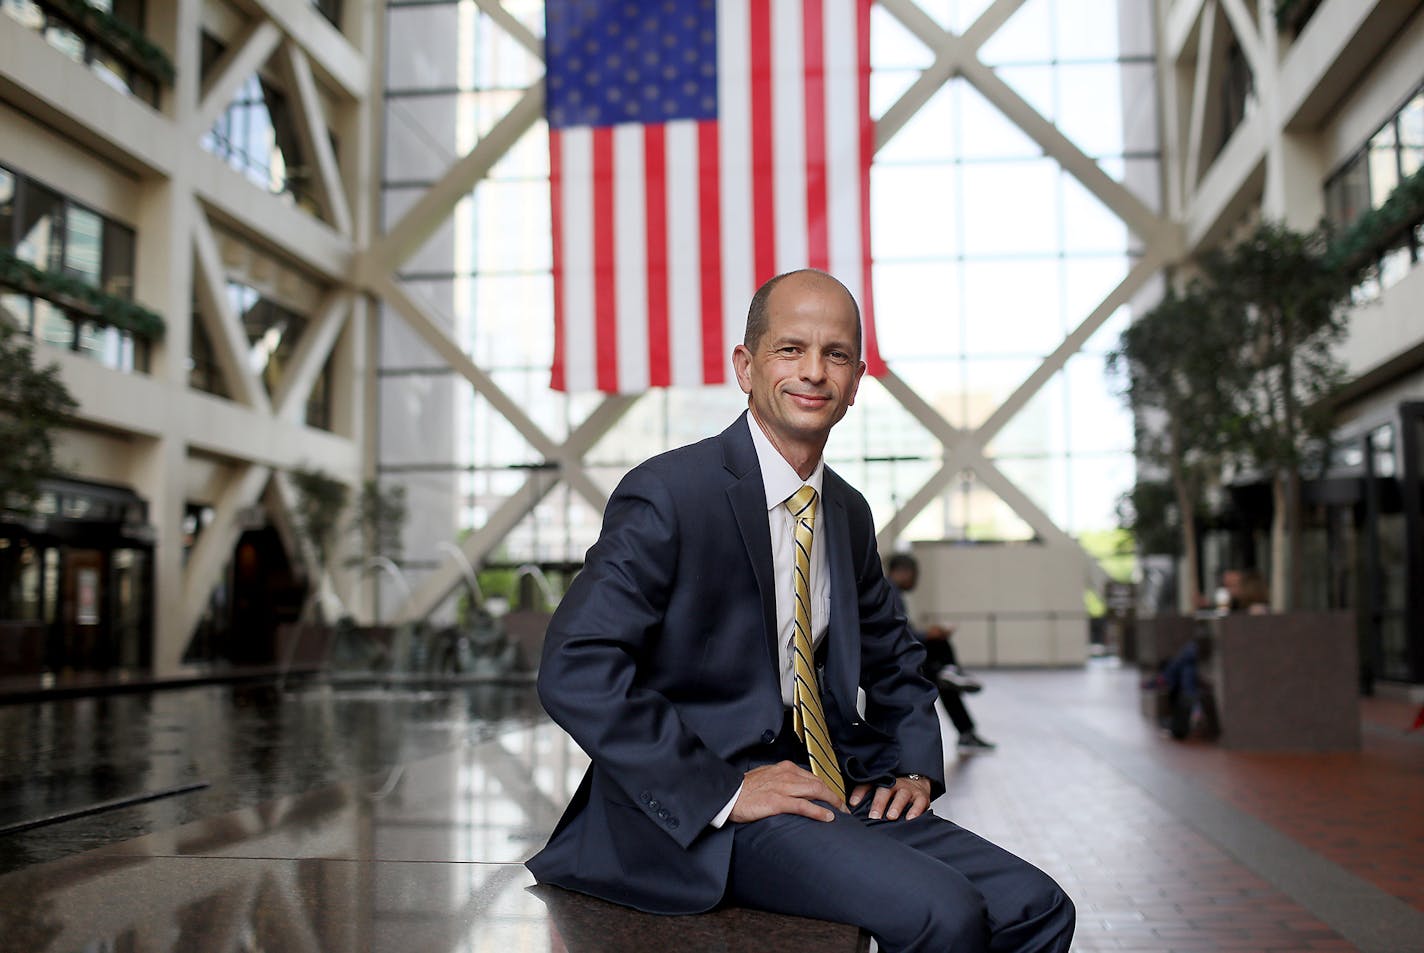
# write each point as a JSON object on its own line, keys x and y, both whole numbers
{"x": 1150, "y": 512}
{"x": 1172, "y": 357}
{"x": 130, "y": 44}
{"x": 33, "y": 402}
{"x": 1281, "y": 288}
{"x": 1181, "y": 393}
{"x": 320, "y": 500}
{"x": 75, "y": 295}
{"x": 380, "y": 518}
{"x": 1354, "y": 249}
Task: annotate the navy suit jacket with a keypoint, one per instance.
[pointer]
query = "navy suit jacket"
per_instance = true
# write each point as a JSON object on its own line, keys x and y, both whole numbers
{"x": 662, "y": 665}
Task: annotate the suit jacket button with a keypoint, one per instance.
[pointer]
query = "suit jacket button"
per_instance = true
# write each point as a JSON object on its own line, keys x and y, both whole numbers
{"x": 654, "y": 805}
{"x": 663, "y": 814}
{"x": 768, "y": 736}
{"x": 672, "y": 822}
{"x": 645, "y": 797}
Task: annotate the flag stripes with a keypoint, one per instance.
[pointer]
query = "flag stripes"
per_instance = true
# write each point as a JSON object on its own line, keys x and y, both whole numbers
{"x": 663, "y": 229}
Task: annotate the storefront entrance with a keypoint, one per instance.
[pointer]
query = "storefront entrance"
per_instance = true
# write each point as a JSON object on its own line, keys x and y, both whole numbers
{"x": 76, "y": 582}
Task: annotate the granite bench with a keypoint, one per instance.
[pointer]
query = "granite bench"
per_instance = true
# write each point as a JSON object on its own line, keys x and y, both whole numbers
{"x": 588, "y": 925}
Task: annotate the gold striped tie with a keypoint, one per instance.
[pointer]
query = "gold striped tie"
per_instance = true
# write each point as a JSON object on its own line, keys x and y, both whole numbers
{"x": 810, "y": 717}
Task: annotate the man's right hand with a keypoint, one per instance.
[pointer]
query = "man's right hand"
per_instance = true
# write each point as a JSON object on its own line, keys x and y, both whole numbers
{"x": 784, "y": 788}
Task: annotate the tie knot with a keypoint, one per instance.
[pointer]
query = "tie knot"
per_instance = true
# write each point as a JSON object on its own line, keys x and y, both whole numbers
{"x": 802, "y": 503}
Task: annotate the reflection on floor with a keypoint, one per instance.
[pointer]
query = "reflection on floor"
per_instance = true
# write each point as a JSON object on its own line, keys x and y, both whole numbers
{"x": 393, "y": 820}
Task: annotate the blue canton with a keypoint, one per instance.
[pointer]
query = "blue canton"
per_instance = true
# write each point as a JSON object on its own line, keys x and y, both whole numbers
{"x": 630, "y": 61}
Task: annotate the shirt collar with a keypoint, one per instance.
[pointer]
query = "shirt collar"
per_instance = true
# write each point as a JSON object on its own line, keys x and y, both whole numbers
{"x": 777, "y": 477}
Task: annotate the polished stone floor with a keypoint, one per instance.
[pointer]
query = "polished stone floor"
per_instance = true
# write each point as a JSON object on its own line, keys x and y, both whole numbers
{"x": 397, "y": 819}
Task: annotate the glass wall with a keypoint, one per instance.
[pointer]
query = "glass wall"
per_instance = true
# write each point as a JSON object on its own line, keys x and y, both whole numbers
{"x": 987, "y": 254}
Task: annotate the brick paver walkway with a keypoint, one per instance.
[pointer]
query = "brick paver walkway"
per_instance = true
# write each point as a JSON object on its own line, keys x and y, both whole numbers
{"x": 1066, "y": 790}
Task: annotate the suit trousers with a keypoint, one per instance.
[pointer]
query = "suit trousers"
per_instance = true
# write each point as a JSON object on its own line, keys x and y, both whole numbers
{"x": 921, "y": 886}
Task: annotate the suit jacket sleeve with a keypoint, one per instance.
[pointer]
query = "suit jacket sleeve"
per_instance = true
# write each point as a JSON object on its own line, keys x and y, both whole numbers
{"x": 899, "y": 700}
{"x": 590, "y": 680}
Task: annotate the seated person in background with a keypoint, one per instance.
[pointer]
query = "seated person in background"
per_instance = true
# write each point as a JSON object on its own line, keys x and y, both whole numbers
{"x": 941, "y": 666}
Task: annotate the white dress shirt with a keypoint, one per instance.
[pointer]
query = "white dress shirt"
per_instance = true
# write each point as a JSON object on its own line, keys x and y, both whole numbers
{"x": 780, "y": 481}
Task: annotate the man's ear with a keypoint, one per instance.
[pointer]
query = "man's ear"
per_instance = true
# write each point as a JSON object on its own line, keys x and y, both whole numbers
{"x": 742, "y": 364}
{"x": 855, "y": 385}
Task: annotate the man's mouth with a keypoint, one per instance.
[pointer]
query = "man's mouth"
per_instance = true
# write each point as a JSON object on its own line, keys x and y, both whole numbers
{"x": 810, "y": 400}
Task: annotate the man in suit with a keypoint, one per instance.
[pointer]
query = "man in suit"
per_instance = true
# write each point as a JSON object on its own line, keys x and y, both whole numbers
{"x": 677, "y": 660}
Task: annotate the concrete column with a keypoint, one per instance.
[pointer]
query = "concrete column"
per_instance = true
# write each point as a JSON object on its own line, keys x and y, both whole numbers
{"x": 1294, "y": 169}
{"x": 163, "y": 281}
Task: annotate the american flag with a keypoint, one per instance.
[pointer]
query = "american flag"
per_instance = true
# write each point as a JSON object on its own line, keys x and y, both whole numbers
{"x": 698, "y": 148}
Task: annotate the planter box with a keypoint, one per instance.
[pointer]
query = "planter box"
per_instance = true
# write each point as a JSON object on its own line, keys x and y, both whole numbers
{"x": 1286, "y": 682}
{"x": 1161, "y": 637}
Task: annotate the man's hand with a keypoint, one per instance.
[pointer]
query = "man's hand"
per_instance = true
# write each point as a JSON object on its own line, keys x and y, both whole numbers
{"x": 784, "y": 788}
{"x": 939, "y": 632}
{"x": 908, "y": 797}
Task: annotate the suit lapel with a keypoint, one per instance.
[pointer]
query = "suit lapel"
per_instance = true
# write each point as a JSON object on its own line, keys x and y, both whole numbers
{"x": 843, "y": 634}
{"x": 747, "y": 496}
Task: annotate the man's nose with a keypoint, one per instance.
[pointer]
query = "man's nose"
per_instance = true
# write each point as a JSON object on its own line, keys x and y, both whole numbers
{"x": 813, "y": 366}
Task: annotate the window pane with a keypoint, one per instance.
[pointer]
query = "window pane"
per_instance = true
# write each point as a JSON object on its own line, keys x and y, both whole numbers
{"x": 1082, "y": 91}
{"x": 39, "y": 233}
{"x": 15, "y": 310}
{"x": 83, "y": 248}
{"x": 1384, "y": 165}
{"x": 118, "y": 260}
{"x": 912, "y": 217}
{"x": 1083, "y": 32}
{"x": 1011, "y": 208}
{"x": 511, "y": 226}
{"x": 7, "y": 208}
{"x": 66, "y": 41}
{"x": 1027, "y": 37}
{"x": 1411, "y": 135}
{"x": 1348, "y": 195}
{"x": 1013, "y": 308}
{"x": 420, "y": 136}
{"x": 432, "y": 62}
{"x": 917, "y": 310}
{"x": 52, "y": 325}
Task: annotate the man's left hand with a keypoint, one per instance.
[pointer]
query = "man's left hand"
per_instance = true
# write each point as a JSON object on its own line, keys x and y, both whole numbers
{"x": 908, "y": 797}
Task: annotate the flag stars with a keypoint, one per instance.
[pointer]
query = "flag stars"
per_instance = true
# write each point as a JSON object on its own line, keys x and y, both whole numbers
{"x": 660, "y": 56}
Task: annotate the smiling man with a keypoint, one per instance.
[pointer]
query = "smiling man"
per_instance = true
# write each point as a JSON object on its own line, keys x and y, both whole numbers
{"x": 709, "y": 656}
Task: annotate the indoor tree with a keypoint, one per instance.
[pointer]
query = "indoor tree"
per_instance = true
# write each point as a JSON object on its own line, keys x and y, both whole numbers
{"x": 1283, "y": 290}
{"x": 33, "y": 403}
{"x": 321, "y": 498}
{"x": 1180, "y": 392}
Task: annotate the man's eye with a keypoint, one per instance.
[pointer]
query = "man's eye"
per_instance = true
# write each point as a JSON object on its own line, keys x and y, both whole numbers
{"x": 840, "y": 357}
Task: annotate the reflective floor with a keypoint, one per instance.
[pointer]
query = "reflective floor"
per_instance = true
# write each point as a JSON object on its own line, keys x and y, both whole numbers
{"x": 363, "y": 819}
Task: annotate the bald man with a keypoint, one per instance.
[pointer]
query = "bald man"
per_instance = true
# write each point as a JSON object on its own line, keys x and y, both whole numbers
{"x": 708, "y": 658}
